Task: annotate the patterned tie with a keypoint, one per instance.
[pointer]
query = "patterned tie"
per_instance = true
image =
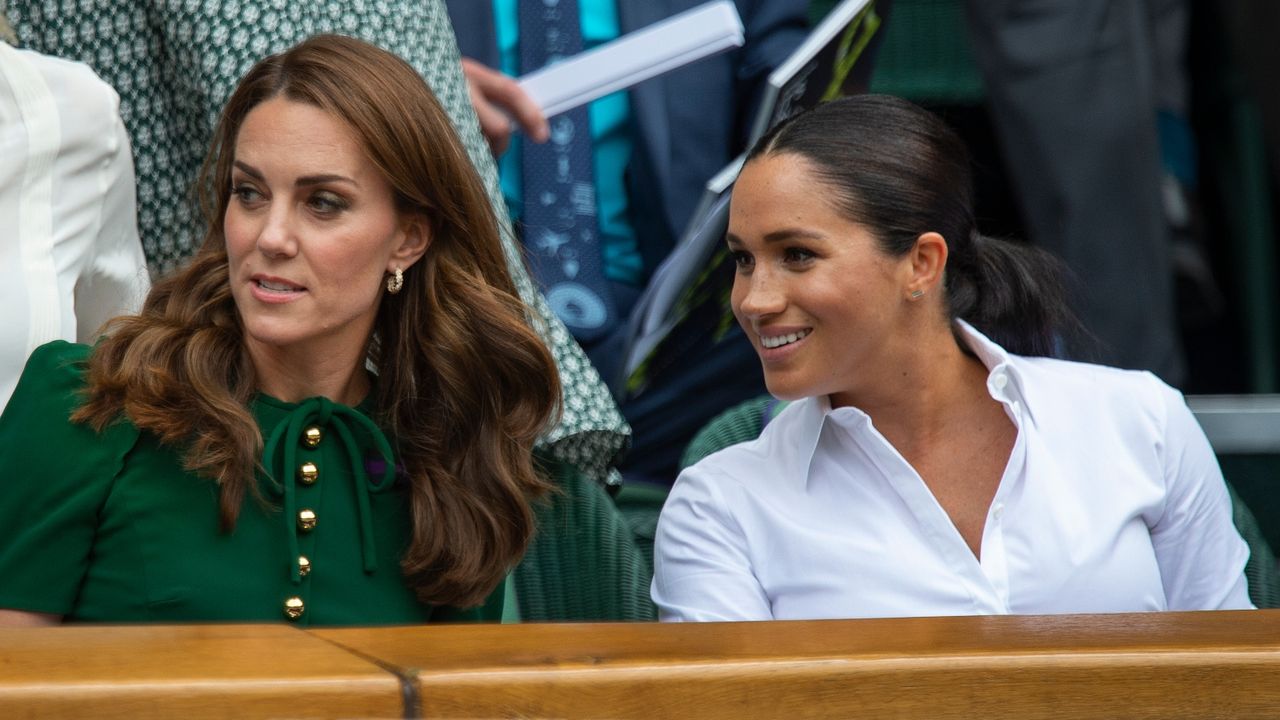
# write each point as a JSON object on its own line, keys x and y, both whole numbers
{"x": 560, "y": 231}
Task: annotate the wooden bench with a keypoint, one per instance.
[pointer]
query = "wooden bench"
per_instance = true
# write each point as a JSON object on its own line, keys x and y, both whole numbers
{"x": 195, "y": 671}
{"x": 1169, "y": 665}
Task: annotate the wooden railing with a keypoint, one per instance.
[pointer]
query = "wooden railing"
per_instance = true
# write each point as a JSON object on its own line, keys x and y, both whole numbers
{"x": 1172, "y": 665}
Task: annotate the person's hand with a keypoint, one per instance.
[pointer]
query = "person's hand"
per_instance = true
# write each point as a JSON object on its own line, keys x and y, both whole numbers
{"x": 498, "y": 99}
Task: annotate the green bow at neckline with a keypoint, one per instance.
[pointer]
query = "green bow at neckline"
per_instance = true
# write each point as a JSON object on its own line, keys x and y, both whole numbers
{"x": 281, "y": 480}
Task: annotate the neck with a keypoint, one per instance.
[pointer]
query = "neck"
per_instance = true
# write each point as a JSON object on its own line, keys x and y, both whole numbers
{"x": 292, "y": 375}
{"x": 929, "y": 384}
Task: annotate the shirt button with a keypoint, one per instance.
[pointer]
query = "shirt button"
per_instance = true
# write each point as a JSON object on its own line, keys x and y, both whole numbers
{"x": 293, "y": 607}
{"x": 308, "y": 473}
{"x": 307, "y": 520}
{"x": 998, "y": 511}
{"x": 999, "y": 380}
{"x": 304, "y": 566}
{"x": 311, "y": 436}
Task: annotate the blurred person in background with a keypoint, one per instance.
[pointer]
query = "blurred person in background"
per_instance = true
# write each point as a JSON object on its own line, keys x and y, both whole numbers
{"x": 69, "y": 255}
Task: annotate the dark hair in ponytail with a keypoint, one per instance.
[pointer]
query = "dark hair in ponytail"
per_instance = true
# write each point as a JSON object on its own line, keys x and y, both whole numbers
{"x": 900, "y": 171}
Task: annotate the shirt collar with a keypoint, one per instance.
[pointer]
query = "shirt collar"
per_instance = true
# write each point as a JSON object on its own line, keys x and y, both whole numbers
{"x": 1004, "y": 382}
{"x": 1005, "y": 377}
{"x": 812, "y": 415}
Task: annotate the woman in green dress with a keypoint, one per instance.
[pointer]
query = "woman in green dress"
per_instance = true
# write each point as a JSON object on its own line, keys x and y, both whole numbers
{"x": 328, "y": 416}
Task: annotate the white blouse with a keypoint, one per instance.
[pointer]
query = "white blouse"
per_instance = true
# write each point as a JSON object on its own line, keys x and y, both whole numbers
{"x": 70, "y": 257}
{"x": 1112, "y": 501}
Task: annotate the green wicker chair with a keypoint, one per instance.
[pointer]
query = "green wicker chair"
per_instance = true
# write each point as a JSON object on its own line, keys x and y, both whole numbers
{"x": 744, "y": 422}
{"x": 583, "y": 564}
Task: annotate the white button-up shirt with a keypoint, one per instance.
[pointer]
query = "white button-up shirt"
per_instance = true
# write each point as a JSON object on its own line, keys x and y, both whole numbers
{"x": 1112, "y": 501}
{"x": 69, "y": 252}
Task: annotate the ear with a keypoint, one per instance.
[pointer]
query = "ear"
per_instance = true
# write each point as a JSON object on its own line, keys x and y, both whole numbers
{"x": 928, "y": 260}
{"x": 415, "y": 237}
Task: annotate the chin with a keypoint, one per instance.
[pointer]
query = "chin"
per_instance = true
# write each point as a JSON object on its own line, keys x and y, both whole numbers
{"x": 268, "y": 334}
{"x": 787, "y": 391}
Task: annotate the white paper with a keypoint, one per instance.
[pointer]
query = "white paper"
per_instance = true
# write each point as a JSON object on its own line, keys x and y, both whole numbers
{"x": 635, "y": 57}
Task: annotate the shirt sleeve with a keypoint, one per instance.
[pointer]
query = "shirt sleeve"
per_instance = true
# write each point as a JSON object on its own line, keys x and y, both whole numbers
{"x": 1200, "y": 553}
{"x": 114, "y": 281}
{"x": 702, "y": 569}
{"x": 54, "y": 477}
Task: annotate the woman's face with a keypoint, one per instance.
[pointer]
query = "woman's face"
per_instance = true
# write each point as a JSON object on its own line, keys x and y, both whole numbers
{"x": 311, "y": 230}
{"x": 815, "y": 293}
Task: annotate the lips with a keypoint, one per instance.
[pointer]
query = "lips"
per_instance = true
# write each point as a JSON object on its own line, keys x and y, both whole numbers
{"x": 275, "y": 284}
{"x": 274, "y": 290}
{"x": 783, "y": 339}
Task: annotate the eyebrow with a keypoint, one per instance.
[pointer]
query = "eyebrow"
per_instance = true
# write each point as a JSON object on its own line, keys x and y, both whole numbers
{"x": 303, "y": 181}
{"x": 778, "y": 236}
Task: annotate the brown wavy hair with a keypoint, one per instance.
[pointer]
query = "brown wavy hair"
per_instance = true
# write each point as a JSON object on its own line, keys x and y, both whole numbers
{"x": 464, "y": 386}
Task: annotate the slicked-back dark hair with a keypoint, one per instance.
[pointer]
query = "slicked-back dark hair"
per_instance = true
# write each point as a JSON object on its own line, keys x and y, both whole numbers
{"x": 901, "y": 172}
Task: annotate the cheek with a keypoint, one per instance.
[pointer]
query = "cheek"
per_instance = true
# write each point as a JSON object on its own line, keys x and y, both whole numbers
{"x": 736, "y": 294}
{"x": 238, "y": 234}
{"x": 353, "y": 268}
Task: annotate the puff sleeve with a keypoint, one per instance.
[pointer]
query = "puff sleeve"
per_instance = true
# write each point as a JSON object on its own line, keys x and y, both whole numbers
{"x": 55, "y": 476}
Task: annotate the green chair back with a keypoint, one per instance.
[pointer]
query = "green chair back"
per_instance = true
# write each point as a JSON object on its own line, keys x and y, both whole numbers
{"x": 583, "y": 565}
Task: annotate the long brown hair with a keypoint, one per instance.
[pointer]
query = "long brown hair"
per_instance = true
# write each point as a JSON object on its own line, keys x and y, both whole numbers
{"x": 464, "y": 384}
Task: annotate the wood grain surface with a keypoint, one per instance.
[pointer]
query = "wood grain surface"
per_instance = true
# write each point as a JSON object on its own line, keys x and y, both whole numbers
{"x": 197, "y": 671}
{"x": 1168, "y": 665}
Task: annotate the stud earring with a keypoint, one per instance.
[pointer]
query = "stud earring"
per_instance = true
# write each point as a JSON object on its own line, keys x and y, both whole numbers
{"x": 395, "y": 281}
{"x": 916, "y": 294}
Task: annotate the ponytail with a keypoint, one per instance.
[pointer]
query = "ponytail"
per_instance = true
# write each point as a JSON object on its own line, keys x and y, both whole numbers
{"x": 901, "y": 172}
{"x": 1013, "y": 293}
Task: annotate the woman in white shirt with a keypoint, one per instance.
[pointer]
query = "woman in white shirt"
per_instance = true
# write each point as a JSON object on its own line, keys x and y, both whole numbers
{"x": 936, "y": 460}
{"x": 70, "y": 257}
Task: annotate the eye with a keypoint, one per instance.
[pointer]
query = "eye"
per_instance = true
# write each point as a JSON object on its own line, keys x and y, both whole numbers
{"x": 327, "y": 203}
{"x": 742, "y": 259}
{"x": 797, "y": 255}
{"x": 246, "y": 194}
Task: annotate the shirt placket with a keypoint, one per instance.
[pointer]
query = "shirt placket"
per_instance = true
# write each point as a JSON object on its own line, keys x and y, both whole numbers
{"x": 995, "y": 557}
{"x": 937, "y": 525}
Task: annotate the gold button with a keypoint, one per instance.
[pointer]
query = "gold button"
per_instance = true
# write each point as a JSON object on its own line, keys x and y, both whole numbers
{"x": 308, "y": 473}
{"x": 304, "y": 566}
{"x": 311, "y": 436}
{"x": 293, "y": 607}
{"x": 307, "y": 520}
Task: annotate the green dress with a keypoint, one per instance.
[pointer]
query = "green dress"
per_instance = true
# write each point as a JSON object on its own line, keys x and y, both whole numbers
{"x": 110, "y": 528}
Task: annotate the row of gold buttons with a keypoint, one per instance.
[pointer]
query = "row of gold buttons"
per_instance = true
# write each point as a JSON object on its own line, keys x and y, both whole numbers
{"x": 308, "y": 474}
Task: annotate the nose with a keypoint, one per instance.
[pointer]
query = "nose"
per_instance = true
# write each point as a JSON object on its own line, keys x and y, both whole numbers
{"x": 757, "y": 295}
{"x": 276, "y": 238}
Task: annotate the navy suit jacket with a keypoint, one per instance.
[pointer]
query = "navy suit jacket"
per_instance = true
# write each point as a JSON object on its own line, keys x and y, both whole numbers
{"x": 689, "y": 124}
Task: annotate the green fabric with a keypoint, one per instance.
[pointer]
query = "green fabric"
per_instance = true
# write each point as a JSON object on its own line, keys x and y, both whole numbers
{"x": 740, "y": 423}
{"x": 641, "y": 506}
{"x": 1262, "y": 570}
{"x": 926, "y": 55}
{"x": 583, "y": 564}
{"x": 110, "y": 528}
{"x": 174, "y": 65}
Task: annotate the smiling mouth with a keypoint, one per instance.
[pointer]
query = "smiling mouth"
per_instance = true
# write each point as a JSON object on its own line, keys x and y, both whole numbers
{"x": 277, "y": 286}
{"x": 778, "y": 341}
